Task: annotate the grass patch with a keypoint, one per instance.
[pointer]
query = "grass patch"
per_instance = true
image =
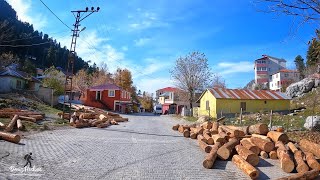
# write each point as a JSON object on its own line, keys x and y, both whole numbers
{"x": 47, "y": 109}
{"x": 190, "y": 118}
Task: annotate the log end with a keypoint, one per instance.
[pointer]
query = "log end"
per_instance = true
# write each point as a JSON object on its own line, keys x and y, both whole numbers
{"x": 208, "y": 164}
{"x": 223, "y": 153}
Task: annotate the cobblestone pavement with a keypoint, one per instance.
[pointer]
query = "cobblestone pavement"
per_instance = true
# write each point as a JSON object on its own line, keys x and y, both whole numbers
{"x": 144, "y": 148}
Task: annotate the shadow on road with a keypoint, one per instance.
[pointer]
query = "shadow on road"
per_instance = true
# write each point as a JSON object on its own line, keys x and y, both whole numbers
{"x": 263, "y": 163}
{"x": 134, "y": 132}
{"x": 137, "y": 161}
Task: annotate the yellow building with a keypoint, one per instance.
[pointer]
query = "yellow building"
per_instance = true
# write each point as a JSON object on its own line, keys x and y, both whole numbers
{"x": 217, "y": 101}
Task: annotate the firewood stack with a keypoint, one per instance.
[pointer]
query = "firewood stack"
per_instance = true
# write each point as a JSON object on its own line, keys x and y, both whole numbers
{"x": 17, "y": 117}
{"x": 93, "y": 117}
{"x": 246, "y": 145}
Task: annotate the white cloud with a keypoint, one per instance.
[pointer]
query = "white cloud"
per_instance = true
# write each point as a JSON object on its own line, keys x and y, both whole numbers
{"x": 23, "y": 9}
{"x": 225, "y": 68}
{"x": 141, "y": 41}
{"x": 144, "y": 19}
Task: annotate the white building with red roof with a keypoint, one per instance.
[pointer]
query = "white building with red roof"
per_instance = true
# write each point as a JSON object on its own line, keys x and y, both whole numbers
{"x": 279, "y": 81}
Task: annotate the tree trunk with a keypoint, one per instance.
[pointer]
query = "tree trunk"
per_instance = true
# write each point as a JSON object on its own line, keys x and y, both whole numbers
{"x": 175, "y": 127}
{"x": 310, "y": 175}
{"x": 19, "y": 124}
{"x": 273, "y": 155}
{"x": 249, "y": 145}
{"x": 243, "y": 129}
{"x": 247, "y": 155}
{"x": 261, "y": 136}
{"x": 225, "y": 151}
{"x": 186, "y": 133}
{"x": 259, "y": 128}
{"x": 292, "y": 147}
{"x": 245, "y": 167}
{"x": 264, "y": 155}
{"x": 278, "y": 136}
{"x": 182, "y": 128}
{"x": 264, "y": 145}
{"x": 211, "y": 157}
{"x": 312, "y": 162}
{"x": 209, "y": 139}
{"x": 12, "y": 123}
{"x": 10, "y": 137}
{"x": 301, "y": 166}
{"x": 232, "y": 132}
{"x": 286, "y": 163}
{"x": 310, "y": 147}
{"x": 204, "y": 146}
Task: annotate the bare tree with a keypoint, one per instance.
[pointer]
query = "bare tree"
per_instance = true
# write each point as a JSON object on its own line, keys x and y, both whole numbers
{"x": 307, "y": 9}
{"x": 191, "y": 73}
{"x": 218, "y": 82}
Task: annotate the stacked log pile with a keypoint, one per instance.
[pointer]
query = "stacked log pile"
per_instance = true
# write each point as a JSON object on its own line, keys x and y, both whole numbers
{"x": 92, "y": 117}
{"x": 244, "y": 146}
{"x": 17, "y": 117}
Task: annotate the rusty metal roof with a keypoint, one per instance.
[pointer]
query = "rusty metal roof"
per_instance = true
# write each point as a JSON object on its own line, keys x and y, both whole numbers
{"x": 221, "y": 93}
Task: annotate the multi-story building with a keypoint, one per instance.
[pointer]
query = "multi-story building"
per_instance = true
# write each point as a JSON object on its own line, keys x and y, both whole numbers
{"x": 282, "y": 79}
{"x": 266, "y": 66}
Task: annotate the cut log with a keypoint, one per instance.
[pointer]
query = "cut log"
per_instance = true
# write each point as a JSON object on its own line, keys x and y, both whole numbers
{"x": 286, "y": 164}
{"x": 182, "y": 128}
{"x": 103, "y": 117}
{"x": 186, "y": 133}
{"x": 292, "y": 147}
{"x": 114, "y": 122}
{"x": 201, "y": 138}
{"x": 120, "y": 119}
{"x": 10, "y": 137}
{"x": 301, "y": 166}
{"x": 193, "y": 135}
{"x": 12, "y": 123}
{"x": 245, "y": 167}
{"x": 232, "y": 132}
{"x": 217, "y": 138}
{"x": 278, "y": 136}
{"x": 264, "y": 145}
{"x": 206, "y": 131}
{"x": 310, "y": 147}
{"x": 225, "y": 151}
{"x": 87, "y": 116}
{"x": 204, "y": 146}
{"x": 273, "y": 155}
{"x": 309, "y": 175}
{"x": 37, "y": 117}
{"x": 19, "y": 125}
{"x": 175, "y": 127}
{"x": 249, "y": 145}
{"x": 207, "y": 125}
{"x": 211, "y": 157}
{"x": 31, "y": 119}
{"x": 209, "y": 139}
{"x": 2, "y": 125}
{"x": 247, "y": 155}
{"x": 97, "y": 122}
{"x": 243, "y": 129}
{"x": 312, "y": 162}
{"x": 103, "y": 125}
{"x": 261, "y": 136}
{"x": 259, "y": 128}
{"x": 214, "y": 129}
{"x": 80, "y": 125}
{"x": 264, "y": 155}
{"x": 197, "y": 130}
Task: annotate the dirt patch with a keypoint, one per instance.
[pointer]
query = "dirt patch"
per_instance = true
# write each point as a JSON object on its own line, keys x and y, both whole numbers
{"x": 296, "y": 136}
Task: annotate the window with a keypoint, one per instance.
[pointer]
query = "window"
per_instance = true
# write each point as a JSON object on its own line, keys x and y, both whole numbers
{"x": 243, "y": 105}
{"x": 263, "y": 62}
{"x": 261, "y": 69}
{"x": 265, "y": 102}
{"x": 111, "y": 93}
{"x": 286, "y": 75}
{"x": 18, "y": 85}
{"x": 269, "y": 69}
{"x": 207, "y": 105}
{"x": 98, "y": 95}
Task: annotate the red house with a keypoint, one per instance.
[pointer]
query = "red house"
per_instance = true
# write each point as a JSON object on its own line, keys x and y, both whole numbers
{"x": 108, "y": 96}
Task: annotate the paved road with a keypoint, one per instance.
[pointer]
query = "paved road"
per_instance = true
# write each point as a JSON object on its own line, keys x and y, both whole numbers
{"x": 143, "y": 148}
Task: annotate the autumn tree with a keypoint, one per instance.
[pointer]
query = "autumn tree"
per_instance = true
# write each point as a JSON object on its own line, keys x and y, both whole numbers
{"x": 218, "y": 82}
{"x": 123, "y": 78}
{"x": 147, "y": 101}
{"x": 191, "y": 73}
{"x": 300, "y": 66}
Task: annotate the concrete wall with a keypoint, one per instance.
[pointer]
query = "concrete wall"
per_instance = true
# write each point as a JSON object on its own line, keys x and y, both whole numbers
{"x": 212, "y": 105}
{"x": 46, "y": 95}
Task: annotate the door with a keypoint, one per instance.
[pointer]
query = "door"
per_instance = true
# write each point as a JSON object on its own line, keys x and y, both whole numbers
{"x": 243, "y": 105}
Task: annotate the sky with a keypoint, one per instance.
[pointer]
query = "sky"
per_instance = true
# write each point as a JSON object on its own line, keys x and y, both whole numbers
{"x": 147, "y": 37}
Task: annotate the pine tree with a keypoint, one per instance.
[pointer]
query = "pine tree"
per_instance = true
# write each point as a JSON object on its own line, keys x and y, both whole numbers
{"x": 313, "y": 54}
{"x": 300, "y": 66}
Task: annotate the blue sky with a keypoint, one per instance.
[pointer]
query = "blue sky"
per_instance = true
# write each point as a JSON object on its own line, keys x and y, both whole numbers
{"x": 147, "y": 37}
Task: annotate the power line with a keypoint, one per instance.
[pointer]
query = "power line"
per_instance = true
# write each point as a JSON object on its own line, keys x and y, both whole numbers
{"x": 23, "y": 45}
{"x": 55, "y": 15}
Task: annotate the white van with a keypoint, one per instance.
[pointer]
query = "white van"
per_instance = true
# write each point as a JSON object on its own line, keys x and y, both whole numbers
{"x": 157, "y": 109}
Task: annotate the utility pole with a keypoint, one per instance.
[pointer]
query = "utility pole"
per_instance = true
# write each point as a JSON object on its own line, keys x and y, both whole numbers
{"x": 72, "y": 54}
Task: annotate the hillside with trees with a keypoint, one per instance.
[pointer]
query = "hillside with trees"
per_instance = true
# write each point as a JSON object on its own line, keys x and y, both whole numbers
{"x": 30, "y": 48}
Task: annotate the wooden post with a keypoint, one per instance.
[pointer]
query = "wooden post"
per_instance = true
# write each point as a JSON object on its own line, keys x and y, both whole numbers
{"x": 51, "y": 97}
